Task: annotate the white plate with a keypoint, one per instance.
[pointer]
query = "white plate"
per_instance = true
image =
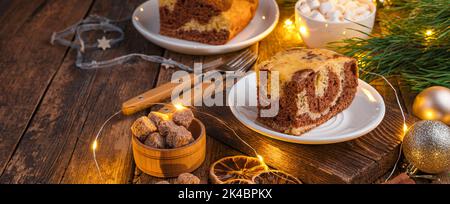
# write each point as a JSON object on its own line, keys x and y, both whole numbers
{"x": 364, "y": 114}
{"x": 146, "y": 21}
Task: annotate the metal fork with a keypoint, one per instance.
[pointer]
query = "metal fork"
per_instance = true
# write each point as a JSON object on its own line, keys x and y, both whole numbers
{"x": 240, "y": 63}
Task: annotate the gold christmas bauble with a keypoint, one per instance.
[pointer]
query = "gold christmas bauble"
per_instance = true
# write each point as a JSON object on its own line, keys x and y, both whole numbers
{"x": 426, "y": 146}
{"x": 433, "y": 104}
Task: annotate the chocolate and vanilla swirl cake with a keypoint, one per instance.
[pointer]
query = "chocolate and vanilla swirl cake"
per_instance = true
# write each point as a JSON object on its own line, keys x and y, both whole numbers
{"x": 314, "y": 86}
{"x": 212, "y": 22}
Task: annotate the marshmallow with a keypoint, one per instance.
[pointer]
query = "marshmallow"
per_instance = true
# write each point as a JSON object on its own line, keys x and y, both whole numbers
{"x": 334, "y": 2}
{"x": 351, "y": 5}
{"x": 359, "y": 10}
{"x": 362, "y": 15}
{"x": 365, "y": 6}
{"x": 304, "y": 8}
{"x": 316, "y": 15}
{"x": 336, "y": 10}
{"x": 326, "y": 7}
{"x": 334, "y": 16}
{"x": 340, "y": 8}
{"x": 349, "y": 16}
{"x": 303, "y": 2}
{"x": 334, "y": 19}
{"x": 313, "y": 4}
{"x": 365, "y": 1}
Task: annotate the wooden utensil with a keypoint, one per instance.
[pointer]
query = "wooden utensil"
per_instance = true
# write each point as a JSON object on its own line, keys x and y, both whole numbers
{"x": 149, "y": 98}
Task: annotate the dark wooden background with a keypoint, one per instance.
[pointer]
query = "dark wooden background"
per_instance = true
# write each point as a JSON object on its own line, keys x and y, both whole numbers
{"x": 50, "y": 110}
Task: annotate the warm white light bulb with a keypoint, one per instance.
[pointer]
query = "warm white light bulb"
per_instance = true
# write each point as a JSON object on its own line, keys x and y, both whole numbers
{"x": 94, "y": 145}
{"x": 179, "y": 107}
{"x": 288, "y": 22}
{"x": 405, "y": 127}
{"x": 303, "y": 30}
{"x": 261, "y": 159}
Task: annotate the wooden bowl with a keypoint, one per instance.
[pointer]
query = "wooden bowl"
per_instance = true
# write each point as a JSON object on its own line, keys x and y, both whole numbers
{"x": 166, "y": 163}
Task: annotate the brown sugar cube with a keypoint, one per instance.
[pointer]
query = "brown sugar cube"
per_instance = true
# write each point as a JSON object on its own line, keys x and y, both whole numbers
{"x": 164, "y": 127}
{"x": 155, "y": 140}
{"x": 183, "y": 117}
{"x": 187, "y": 178}
{"x": 142, "y": 127}
{"x": 178, "y": 136}
{"x": 157, "y": 117}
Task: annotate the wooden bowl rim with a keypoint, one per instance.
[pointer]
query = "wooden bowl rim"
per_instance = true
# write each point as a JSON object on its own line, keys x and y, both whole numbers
{"x": 197, "y": 140}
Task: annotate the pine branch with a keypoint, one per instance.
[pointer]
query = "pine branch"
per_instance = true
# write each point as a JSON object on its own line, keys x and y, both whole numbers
{"x": 414, "y": 44}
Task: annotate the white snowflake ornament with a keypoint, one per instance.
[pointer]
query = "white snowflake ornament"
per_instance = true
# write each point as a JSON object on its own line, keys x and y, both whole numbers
{"x": 104, "y": 43}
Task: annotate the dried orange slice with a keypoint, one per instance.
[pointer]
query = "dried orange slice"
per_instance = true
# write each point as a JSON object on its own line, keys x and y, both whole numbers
{"x": 238, "y": 181}
{"x": 235, "y": 167}
{"x": 275, "y": 177}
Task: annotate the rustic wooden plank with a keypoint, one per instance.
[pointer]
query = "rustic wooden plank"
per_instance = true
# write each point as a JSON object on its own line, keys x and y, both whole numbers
{"x": 116, "y": 165}
{"x": 384, "y": 148}
{"x": 348, "y": 162}
{"x": 28, "y": 62}
{"x": 56, "y": 146}
{"x": 387, "y": 145}
{"x": 282, "y": 155}
{"x": 5, "y": 5}
{"x": 13, "y": 15}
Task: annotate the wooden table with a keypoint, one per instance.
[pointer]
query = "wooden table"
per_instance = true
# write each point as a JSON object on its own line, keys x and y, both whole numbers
{"x": 50, "y": 110}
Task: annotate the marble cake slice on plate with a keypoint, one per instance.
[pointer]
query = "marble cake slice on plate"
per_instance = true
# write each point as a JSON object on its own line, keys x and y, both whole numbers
{"x": 314, "y": 85}
{"x": 212, "y": 22}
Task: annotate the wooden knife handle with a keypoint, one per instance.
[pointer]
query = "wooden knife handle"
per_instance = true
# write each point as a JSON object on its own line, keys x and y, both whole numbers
{"x": 147, "y": 99}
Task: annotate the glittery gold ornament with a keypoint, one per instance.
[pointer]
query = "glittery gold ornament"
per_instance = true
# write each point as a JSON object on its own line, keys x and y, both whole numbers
{"x": 433, "y": 104}
{"x": 426, "y": 145}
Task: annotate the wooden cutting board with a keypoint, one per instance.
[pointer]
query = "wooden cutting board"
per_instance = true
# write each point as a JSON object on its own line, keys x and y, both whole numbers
{"x": 362, "y": 160}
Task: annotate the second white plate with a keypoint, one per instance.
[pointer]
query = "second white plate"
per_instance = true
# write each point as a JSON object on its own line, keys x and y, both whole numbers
{"x": 364, "y": 114}
{"x": 146, "y": 21}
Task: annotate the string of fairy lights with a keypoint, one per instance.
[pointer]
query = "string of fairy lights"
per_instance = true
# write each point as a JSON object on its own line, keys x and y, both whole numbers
{"x": 178, "y": 107}
{"x": 289, "y": 26}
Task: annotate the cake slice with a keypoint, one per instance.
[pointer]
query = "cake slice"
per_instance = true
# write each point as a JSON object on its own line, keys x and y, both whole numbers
{"x": 212, "y": 22}
{"x": 314, "y": 86}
